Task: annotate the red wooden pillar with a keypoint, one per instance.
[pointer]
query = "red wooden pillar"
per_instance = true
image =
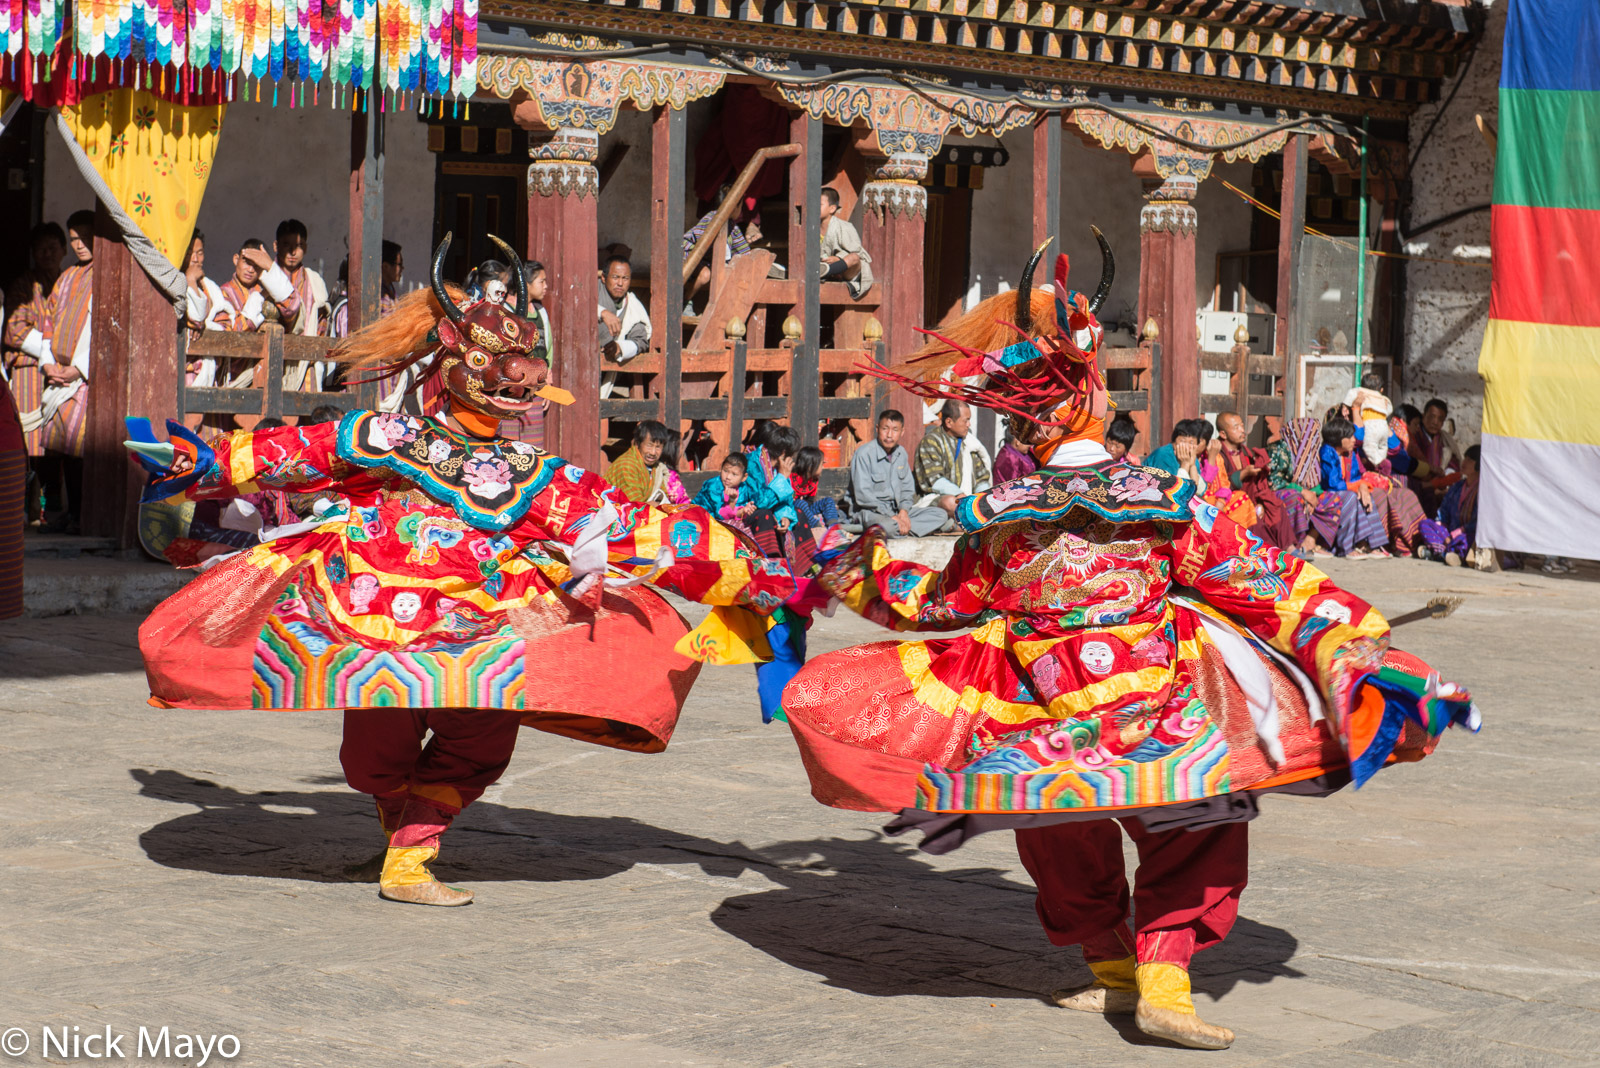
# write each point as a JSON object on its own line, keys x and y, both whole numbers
{"x": 1046, "y": 178}
{"x": 563, "y": 234}
{"x": 894, "y": 227}
{"x": 1166, "y": 288}
{"x": 133, "y": 371}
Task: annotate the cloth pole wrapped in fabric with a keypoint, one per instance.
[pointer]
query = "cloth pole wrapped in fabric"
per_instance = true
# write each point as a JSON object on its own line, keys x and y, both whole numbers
{"x": 1541, "y": 352}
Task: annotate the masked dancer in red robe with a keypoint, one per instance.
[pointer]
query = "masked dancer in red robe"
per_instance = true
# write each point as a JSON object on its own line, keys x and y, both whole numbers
{"x": 473, "y": 585}
{"x": 1133, "y": 657}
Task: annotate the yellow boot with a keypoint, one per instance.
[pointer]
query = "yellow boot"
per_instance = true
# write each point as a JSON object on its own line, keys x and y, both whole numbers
{"x": 1113, "y": 992}
{"x": 1165, "y": 1009}
{"x": 406, "y": 878}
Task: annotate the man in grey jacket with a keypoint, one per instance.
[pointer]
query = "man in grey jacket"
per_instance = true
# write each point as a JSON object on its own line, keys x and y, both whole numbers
{"x": 882, "y": 492}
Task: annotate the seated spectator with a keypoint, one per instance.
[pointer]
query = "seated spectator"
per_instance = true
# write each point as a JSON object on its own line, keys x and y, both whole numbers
{"x": 1012, "y": 463}
{"x": 1432, "y": 445}
{"x": 624, "y": 323}
{"x": 741, "y": 502}
{"x": 817, "y": 512}
{"x": 202, "y": 294}
{"x": 1452, "y": 534}
{"x": 1121, "y": 433}
{"x": 322, "y": 413}
{"x": 672, "y": 490}
{"x": 1246, "y": 470}
{"x": 950, "y": 464}
{"x": 1181, "y": 456}
{"x": 1206, "y": 454}
{"x": 1402, "y": 513}
{"x": 1361, "y": 532}
{"x": 843, "y": 258}
{"x": 882, "y": 492}
{"x": 638, "y": 473}
{"x": 740, "y": 239}
{"x": 771, "y": 461}
{"x": 1296, "y": 475}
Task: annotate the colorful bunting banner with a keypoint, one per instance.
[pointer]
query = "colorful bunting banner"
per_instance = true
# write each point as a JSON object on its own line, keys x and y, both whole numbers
{"x": 173, "y": 46}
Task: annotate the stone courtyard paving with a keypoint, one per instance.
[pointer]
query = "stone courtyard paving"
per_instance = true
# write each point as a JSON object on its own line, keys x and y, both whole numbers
{"x": 183, "y": 869}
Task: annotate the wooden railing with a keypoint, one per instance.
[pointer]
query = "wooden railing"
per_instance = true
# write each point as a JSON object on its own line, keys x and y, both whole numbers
{"x": 1242, "y": 366}
{"x": 270, "y": 349}
{"x": 1143, "y": 401}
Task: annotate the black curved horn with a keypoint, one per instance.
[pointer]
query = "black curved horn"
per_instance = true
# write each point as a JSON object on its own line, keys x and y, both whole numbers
{"x": 1108, "y": 271}
{"x": 1025, "y": 290}
{"x": 521, "y": 273}
{"x": 437, "y": 277}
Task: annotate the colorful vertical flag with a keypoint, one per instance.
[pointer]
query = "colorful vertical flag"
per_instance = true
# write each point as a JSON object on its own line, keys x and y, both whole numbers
{"x": 1541, "y": 353}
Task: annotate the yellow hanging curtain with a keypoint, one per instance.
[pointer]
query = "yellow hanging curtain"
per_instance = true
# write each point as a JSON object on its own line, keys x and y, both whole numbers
{"x": 154, "y": 156}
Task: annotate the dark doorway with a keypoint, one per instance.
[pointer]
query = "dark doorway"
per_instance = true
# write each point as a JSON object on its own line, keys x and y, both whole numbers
{"x": 480, "y": 186}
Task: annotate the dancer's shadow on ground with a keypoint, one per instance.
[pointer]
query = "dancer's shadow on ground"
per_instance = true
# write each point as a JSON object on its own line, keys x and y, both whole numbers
{"x": 872, "y": 916}
{"x": 889, "y": 923}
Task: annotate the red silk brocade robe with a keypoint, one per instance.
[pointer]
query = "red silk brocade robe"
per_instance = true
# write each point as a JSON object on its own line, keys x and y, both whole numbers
{"x": 1129, "y": 648}
{"x": 438, "y": 586}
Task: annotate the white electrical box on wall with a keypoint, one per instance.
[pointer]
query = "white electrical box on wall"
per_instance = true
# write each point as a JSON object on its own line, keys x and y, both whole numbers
{"x": 1217, "y": 330}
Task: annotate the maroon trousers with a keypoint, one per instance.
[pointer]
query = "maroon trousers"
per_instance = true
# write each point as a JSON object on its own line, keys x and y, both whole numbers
{"x": 1185, "y": 896}
{"x": 421, "y": 788}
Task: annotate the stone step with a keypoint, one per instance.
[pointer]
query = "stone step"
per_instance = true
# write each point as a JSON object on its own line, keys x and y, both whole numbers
{"x": 933, "y": 551}
{"x": 67, "y": 546}
{"x": 95, "y": 585}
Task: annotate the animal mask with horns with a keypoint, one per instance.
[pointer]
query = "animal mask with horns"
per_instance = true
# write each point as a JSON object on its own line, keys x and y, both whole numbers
{"x": 1029, "y": 354}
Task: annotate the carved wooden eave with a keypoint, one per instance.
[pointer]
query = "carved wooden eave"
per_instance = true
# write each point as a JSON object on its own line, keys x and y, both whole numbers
{"x": 1322, "y": 56}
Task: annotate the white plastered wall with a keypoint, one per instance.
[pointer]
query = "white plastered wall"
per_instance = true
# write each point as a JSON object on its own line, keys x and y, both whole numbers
{"x": 1447, "y": 306}
{"x": 278, "y": 163}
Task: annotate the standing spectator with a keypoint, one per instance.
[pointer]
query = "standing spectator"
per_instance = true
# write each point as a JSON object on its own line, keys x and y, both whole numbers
{"x": 242, "y": 308}
{"x": 13, "y": 512}
{"x": 843, "y": 258}
{"x": 1247, "y": 471}
{"x": 949, "y": 464}
{"x": 529, "y": 427}
{"x": 489, "y": 280}
{"x": 64, "y": 363}
{"x": 624, "y": 323}
{"x": 1362, "y": 532}
{"x": 882, "y": 491}
{"x": 299, "y": 292}
{"x": 201, "y": 296}
{"x": 388, "y": 290}
{"x": 638, "y": 472}
{"x": 1011, "y": 462}
{"x": 27, "y": 331}
{"x": 1121, "y": 433}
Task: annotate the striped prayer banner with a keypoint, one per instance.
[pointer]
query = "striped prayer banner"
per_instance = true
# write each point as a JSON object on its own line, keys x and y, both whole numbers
{"x": 1540, "y": 362}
